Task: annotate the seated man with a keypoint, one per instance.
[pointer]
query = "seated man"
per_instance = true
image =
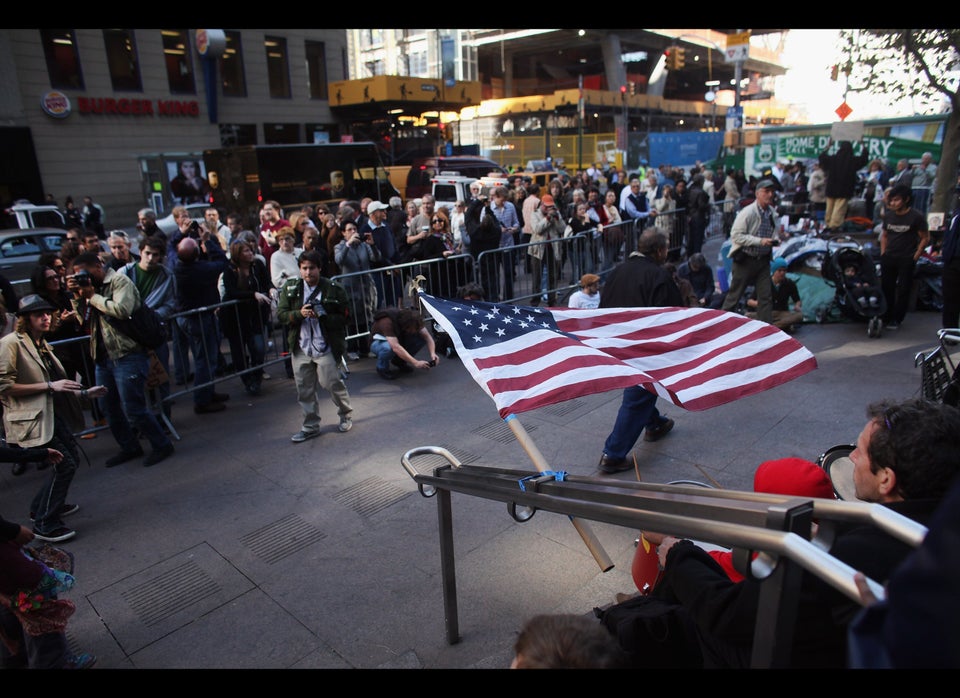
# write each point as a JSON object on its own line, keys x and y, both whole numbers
{"x": 784, "y": 291}
{"x": 906, "y": 457}
{"x": 700, "y": 275}
{"x": 398, "y": 334}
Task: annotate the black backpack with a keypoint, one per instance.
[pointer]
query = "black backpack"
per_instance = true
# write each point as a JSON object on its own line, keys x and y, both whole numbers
{"x": 144, "y": 326}
{"x": 653, "y": 632}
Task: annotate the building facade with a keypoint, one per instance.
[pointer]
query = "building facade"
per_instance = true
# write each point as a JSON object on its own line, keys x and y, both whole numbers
{"x": 83, "y": 110}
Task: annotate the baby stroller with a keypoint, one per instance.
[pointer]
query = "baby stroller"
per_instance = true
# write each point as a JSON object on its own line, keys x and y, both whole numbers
{"x": 865, "y": 302}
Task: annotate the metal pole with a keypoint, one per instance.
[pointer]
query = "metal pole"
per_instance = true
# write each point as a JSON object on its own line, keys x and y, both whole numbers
{"x": 580, "y": 107}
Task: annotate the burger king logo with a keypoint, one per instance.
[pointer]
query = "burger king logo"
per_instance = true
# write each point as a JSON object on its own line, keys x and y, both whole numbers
{"x": 56, "y": 104}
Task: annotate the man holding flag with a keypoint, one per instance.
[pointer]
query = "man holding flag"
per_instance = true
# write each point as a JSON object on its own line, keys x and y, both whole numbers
{"x": 640, "y": 282}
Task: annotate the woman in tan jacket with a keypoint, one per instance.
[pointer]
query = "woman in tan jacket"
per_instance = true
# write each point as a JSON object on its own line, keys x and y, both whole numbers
{"x": 41, "y": 409}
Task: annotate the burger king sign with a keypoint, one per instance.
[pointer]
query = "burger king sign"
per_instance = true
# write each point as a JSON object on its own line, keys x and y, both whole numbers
{"x": 56, "y": 104}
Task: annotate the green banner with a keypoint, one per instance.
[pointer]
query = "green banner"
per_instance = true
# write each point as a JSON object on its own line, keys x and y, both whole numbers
{"x": 809, "y": 147}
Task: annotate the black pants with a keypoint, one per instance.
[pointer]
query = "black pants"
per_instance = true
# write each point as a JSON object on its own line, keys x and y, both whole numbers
{"x": 951, "y": 293}
{"x": 896, "y": 280}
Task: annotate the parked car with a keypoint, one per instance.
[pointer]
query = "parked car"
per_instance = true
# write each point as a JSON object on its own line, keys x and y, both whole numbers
{"x": 29, "y": 215}
{"x": 423, "y": 170}
{"x": 20, "y": 251}
{"x": 169, "y": 226}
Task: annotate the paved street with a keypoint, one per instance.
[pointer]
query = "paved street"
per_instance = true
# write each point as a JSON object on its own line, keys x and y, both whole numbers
{"x": 245, "y": 550}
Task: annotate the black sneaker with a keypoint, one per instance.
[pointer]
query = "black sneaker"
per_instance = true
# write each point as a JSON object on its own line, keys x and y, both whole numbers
{"x": 158, "y": 455}
{"x": 386, "y": 373}
{"x": 56, "y": 536}
{"x": 892, "y": 326}
{"x": 64, "y": 510}
{"x": 123, "y": 457}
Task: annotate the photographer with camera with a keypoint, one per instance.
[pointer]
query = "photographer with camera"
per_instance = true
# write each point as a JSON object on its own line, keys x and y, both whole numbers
{"x": 752, "y": 239}
{"x": 315, "y": 309}
{"x": 121, "y": 364}
{"x": 546, "y": 226}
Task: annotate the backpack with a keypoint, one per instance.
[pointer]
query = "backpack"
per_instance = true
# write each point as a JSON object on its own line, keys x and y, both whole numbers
{"x": 653, "y": 632}
{"x": 144, "y": 326}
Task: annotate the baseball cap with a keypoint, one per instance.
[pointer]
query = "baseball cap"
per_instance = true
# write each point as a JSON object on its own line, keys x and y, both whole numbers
{"x": 376, "y": 206}
{"x": 547, "y": 200}
{"x": 764, "y": 184}
{"x": 794, "y": 477}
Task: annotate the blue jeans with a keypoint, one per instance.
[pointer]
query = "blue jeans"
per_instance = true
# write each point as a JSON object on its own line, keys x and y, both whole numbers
{"x": 125, "y": 403}
{"x": 248, "y": 345}
{"x": 46, "y": 651}
{"x": 202, "y": 335}
{"x": 386, "y": 356}
{"x": 638, "y": 410}
{"x": 47, "y": 502}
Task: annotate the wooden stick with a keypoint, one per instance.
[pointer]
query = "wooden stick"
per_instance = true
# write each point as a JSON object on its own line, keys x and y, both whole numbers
{"x": 583, "y": 527}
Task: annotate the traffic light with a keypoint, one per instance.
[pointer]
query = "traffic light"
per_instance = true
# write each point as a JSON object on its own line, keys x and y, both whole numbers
{"x": 668, "y": 54}
{"x": 623, "y": 91}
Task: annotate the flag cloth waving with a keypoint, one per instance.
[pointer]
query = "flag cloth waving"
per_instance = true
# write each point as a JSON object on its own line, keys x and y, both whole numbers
{"x": 526, "y": 357}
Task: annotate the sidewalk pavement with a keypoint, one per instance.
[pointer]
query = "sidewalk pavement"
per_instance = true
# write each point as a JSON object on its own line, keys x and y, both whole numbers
{"x": 245, "y": 550}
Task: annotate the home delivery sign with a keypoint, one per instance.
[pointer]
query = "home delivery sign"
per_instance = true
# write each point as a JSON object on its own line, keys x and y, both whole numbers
{"x": 809, "y": 147}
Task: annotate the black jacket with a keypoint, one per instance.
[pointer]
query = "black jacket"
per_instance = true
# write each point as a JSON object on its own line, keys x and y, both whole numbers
{"x": 640, "y": 283}
{"x": 841, "y": 170}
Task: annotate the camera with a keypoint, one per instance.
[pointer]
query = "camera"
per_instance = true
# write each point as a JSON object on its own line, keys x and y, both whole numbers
{"x": 82, "y": 278}
{"x": 431, "y": 363}
{"x": 194, "y": 229}
{"x": 318, "y": 309}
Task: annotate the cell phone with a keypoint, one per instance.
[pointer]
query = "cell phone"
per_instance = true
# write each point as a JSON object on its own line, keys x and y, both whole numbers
{"x": 432, "y": 362}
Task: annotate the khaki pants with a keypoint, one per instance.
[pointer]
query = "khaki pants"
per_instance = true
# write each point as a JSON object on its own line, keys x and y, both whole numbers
{"x": 836, "y": 213}
{"x": 311, "y": 375}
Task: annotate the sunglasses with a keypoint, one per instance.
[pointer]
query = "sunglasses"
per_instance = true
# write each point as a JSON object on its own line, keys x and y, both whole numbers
{"x": 437, "y": 220}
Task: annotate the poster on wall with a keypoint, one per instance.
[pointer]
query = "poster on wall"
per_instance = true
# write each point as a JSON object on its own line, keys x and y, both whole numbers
{"x": 188, "y": 182}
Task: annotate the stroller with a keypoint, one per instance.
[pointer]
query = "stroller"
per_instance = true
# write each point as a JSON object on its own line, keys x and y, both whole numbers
{"x": 857, "y": 296}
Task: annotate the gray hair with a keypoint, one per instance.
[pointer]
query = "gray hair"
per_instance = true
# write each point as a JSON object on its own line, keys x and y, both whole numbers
{"x": 147, "y": 213}
{"x": 396, "y": 201}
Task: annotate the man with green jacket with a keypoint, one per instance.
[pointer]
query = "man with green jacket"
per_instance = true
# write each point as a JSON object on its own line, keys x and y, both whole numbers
{"x": 315, "y": 310}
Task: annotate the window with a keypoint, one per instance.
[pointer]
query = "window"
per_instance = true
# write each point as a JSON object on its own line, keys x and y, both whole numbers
{"x": 370, "y": 38}
{"x": 278, "y": 72}
{"x": 238, "y": 134}
{"x": 275, "y": 133}
{"x": 317, "y": 69}
{"x": 234, "y": 81}
{"x": 418, "y": 64}
{"x": 176, "y": 54}
{"x": 63, "y": 60}
{"x": 122, "y": 59}
{"x": 374, "y": 67}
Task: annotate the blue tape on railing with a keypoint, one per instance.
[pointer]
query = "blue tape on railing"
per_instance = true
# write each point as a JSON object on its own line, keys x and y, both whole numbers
{"x": 558, "y": 475}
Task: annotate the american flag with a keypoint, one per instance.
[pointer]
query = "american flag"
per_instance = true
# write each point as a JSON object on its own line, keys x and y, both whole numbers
{"x": 526, "y": 357}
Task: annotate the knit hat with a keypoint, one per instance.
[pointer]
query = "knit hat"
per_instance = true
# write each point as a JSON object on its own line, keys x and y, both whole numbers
{"x": 588, "y": 279}
{"x": 793, "y": 476}
{"x": 547, "y": 200}
{"x": 778, "y": 263}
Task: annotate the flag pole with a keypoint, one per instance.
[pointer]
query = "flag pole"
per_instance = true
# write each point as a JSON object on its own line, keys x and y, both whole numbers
{"x": 583, "y": 527}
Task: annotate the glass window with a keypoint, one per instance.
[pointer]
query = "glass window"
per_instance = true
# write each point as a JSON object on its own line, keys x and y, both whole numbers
{"x": 317, "y": 69}
{"x": 122, "y": 59}
{"x": 63, "y": 60}
{"x": 177, "y": 56}
{"x": 278, "y": 71}
{"x": 234, "y": 81}
{"x": 275, "y": 133}
{"x": 238, "y": 134}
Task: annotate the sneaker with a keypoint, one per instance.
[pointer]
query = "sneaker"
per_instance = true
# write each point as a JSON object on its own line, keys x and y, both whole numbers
{"x": 158, "y": 455}
{"x": 346, "y": 424}
{"x": 658, "y": 432}
{"x": 892, "y": 326}
{"x": 302, "y": 435}
{"x": 862, "y": 301}
{"x": 386, "y": 374}
{"x": 123, "y": 457}
{"x": 64, "y": 510}
{"x": 265, "y": 376}
{"x": 55, "y": 536}
{"x": 81, "y": 661}
{"x": 353, "y": 356}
